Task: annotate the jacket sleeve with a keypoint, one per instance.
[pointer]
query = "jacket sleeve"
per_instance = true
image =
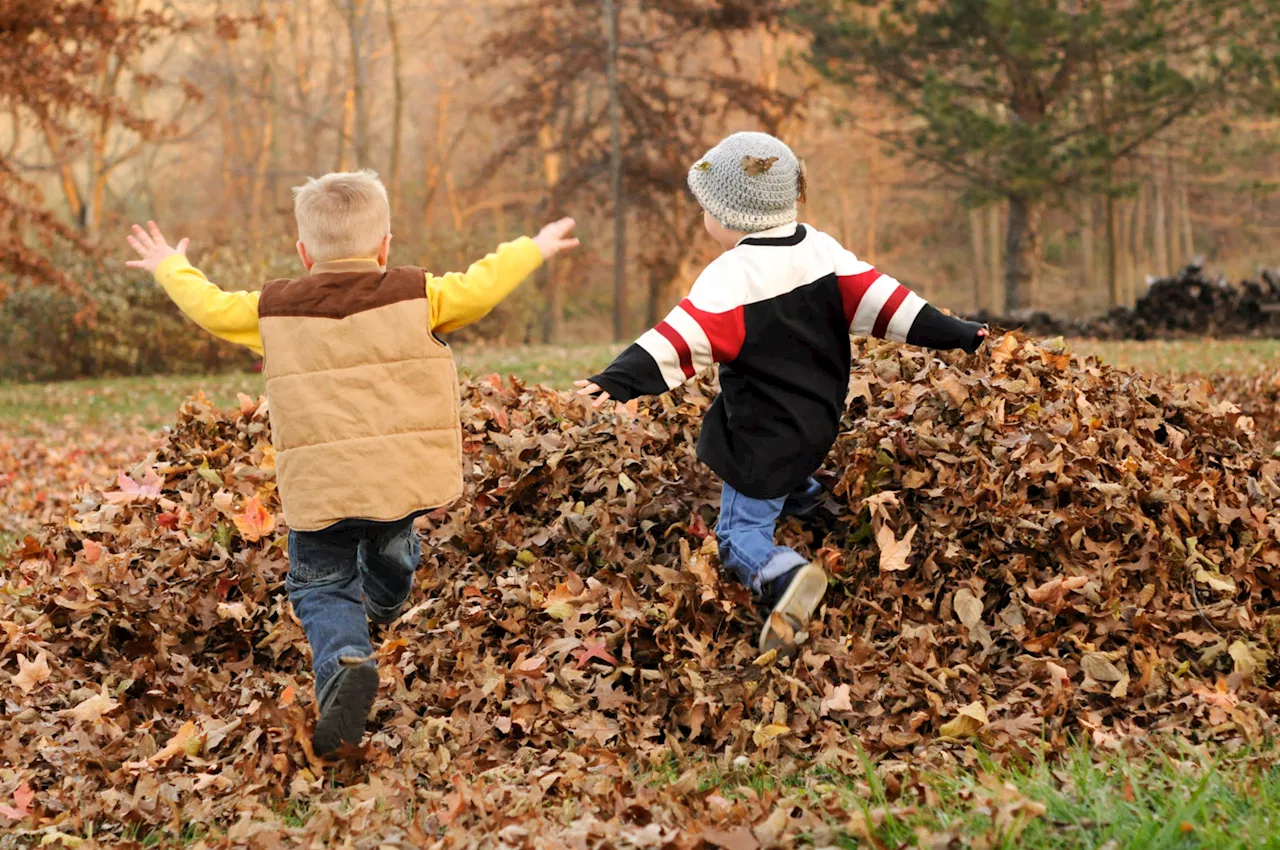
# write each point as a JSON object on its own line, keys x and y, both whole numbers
{"x": 460, "y": 298}
{"x": 706, "y": 327}
{"x": 877, "y": 305}
{"x": 232, "y": 316}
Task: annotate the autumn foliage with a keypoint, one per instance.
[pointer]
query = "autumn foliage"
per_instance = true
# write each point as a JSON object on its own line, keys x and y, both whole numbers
{"x": 1026, "y": 547}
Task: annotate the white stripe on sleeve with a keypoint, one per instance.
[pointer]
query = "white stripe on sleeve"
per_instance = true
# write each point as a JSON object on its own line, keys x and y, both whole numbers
{"x": 864, "y": 321}
{"x": 694, "y": 336}
{"x": 904, "y": 318}
{"x": 664, "y": 353}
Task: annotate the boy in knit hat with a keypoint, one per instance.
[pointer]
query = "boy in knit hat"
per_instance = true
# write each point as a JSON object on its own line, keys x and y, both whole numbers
{"x": 775, "y": 310}
{"x": 364, "y": 410}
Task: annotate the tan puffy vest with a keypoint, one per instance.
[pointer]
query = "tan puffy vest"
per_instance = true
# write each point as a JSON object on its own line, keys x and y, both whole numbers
{"x": 363, "y": 396}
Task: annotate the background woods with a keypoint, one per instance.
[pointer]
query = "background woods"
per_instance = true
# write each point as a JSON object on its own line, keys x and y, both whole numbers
{"x": 995, "y": 155}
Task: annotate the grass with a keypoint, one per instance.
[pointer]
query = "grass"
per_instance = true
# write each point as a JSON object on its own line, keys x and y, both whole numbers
{"x": 1083, "y": 799}
{"x": 1186, "y": 357}
{"x": 150, "y": 402}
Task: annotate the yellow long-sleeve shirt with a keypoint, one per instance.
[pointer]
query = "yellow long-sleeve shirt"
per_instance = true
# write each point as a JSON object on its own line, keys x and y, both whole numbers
{"x": 457, "y": 298}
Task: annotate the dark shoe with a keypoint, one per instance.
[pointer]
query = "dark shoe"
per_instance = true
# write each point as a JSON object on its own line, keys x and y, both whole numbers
{"x": 345, "y": 705}
{"x": 791, "y": 600}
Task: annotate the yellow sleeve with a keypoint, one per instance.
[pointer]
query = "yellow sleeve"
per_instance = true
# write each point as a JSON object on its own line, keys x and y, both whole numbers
{"x": 232, "y": 316}
{"x": 460, "y": 298}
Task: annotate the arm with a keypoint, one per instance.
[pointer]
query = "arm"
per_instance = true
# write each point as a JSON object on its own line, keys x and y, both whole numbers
{"x": 460, "y": 298}
{"x": 232, "y": 316}
{"x": 877, "y": 305}
{"x": 705, "y": 328}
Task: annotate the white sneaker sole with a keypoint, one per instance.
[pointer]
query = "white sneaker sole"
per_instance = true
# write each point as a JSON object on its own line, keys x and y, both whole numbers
{"x": 795, "y": 609}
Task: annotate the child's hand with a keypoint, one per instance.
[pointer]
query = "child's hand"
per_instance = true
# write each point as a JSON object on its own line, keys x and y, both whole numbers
{"x": 587, "y": 388}
{"x": 554, "y": 238}
{"x": 152, "y": 247}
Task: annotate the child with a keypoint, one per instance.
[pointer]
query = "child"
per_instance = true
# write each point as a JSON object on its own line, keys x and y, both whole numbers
{"x": 775, "y": 310}
{"x": 364, "y": 410}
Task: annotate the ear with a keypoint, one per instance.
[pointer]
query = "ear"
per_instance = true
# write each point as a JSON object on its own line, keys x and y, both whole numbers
{"x": 384, "y": 251}
{"x": 304, "y": 256}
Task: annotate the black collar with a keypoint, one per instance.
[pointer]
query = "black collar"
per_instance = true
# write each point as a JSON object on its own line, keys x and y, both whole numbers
{"x": 784, "y": 241}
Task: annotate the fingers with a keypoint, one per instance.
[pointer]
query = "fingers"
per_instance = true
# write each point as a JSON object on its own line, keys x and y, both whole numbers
{"x": 136, "y": 264}
{"x": 586, "y": 388}
{"x": 564, "y": 227}
{"x": 137, "y": 246}
{"x": 143, "y": 238}
{"x": 600, "y": 400}
{"x": 156, "y": 235}
{"x": 182, "y": 246}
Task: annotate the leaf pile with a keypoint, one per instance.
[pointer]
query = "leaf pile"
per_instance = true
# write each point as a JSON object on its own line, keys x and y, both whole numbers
{"x": 42, "y": 467}
{"x": 1191, "y": 303}
{"x": 1024, "y": 546}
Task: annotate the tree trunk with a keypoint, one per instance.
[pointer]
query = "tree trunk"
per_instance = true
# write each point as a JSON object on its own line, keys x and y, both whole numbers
{"x": 615, "y": 136}
{"x": 996, "y": 257}
{"x": 1086, "y": 244}
{"x": 1188, "y": 233}
{"x": 1113, "y": 253}
{"x": 1022, "y": 246}
{"x": 397, "y": 111}
{"x": 358, "y": 13}
{"x": 549, "y": 280}
{"x": 1141, "y": 259}
{"x": 1160, "y": 238}
{"x": 979, "y": 263}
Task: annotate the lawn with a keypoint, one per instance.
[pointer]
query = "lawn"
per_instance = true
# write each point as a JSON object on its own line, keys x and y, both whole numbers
{"x": 150, "y": 402}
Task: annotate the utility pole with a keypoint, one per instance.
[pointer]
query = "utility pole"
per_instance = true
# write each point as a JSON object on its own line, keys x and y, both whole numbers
{"x": 619, "y": 212}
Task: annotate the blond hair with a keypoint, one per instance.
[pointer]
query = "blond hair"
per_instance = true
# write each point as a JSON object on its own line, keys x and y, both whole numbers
{"x": 342, "y": 215}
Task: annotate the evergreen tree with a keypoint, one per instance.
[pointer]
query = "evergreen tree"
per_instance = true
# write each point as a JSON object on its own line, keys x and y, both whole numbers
{"x": 1033, "y": 100}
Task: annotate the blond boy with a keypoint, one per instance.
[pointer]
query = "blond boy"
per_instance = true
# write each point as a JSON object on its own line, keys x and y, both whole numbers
{"x": 364, "y": 410}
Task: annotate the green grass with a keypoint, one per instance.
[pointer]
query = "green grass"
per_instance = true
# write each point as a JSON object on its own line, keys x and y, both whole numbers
{"x": 1085, "y": 799}
{"x": 1186, "y": 357}
{"x": 150, "y": 402}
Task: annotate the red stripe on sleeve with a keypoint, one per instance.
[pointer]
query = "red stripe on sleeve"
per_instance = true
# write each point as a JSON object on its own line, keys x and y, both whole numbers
{"x": 681, "y": 347}
{"x": 886, "y": 312}
{"x": 725, "y": 331}
{"x": 852, "y": 288}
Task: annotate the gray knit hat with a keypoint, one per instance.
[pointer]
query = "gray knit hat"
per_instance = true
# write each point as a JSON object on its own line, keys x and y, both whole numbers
{"x": 749, "y": 182}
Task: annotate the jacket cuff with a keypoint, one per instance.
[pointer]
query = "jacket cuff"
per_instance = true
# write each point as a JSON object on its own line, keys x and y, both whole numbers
{"x": 616, "y": 391}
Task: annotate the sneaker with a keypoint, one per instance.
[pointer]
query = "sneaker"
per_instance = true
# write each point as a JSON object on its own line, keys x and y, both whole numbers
{"x": 345, "y": 705}
{"x": 791, "y": 599}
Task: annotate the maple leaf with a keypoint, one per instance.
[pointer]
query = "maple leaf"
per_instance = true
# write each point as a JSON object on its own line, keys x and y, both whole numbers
{"x": 835, "y": 699}
{"x": 92, "y": 709}
{"x": 894, "y": 552}
{"x": 92, "y": 551}
{"x": 31, "y": 673}
{"x": 971, "y": 719}
{"x": 132, "y": 491}
{"x": 23, "y": 797}
{"x": 593, "y": 648}
{"x": 254, "y": 522}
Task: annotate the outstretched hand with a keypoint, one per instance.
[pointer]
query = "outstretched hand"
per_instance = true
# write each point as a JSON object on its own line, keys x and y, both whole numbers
{"x": 589, "y": 388}
{"x": 555, "y": 238}
{"x": 152, "y": 247}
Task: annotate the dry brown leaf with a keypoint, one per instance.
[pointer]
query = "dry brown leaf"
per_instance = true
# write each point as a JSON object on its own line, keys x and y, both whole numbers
{"x": 894, "y": 552}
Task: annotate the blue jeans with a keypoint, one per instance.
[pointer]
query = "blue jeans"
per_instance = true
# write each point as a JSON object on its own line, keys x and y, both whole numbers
{"x": 745, "y": 533}
{"x": 335, "y": 573}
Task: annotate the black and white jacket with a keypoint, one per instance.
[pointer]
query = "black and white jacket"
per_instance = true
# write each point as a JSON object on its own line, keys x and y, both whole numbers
{"x": 776, "y": 313}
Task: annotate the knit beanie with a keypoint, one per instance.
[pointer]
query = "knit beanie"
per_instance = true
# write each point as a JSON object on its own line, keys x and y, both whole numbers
{"x": 749, "y": 182}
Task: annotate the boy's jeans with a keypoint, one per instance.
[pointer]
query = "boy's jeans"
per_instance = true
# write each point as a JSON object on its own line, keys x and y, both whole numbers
{"x": 335, "y": 573}
{"x": 745, "y": 533}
